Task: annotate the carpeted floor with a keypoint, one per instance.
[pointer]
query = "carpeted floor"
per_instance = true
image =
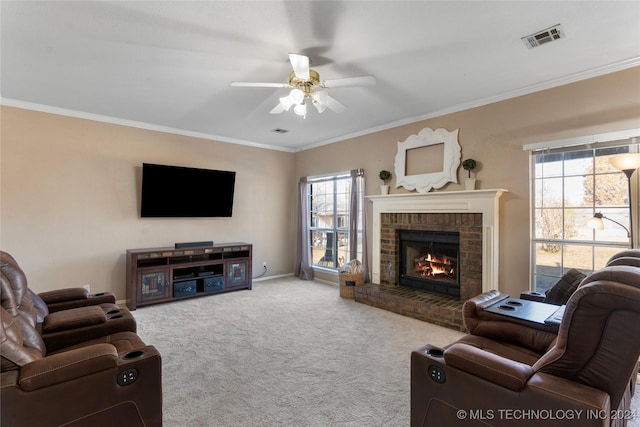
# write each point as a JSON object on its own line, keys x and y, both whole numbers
{"x": 287, "y": 353}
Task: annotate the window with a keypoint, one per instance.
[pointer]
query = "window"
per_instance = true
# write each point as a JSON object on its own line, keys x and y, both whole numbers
{"x": 570, "y": 184}
{"x": 329, "y": 202}
{"x": 329, "y": 209}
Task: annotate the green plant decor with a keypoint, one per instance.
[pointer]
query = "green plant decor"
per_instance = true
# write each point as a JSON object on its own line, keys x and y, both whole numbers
{"x": 469, "y": 165}
{"x": 385, "y": 176}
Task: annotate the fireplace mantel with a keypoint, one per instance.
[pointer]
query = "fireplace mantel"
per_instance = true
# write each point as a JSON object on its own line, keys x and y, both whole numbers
{"x": 475, "y": 201}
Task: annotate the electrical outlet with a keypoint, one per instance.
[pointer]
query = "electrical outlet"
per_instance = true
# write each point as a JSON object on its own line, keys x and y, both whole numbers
{"x": 264, "y": 264}
{"x": 87, "y": 287}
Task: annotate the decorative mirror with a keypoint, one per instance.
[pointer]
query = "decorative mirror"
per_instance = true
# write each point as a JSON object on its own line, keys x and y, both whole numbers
{"x": 428, "y": 160}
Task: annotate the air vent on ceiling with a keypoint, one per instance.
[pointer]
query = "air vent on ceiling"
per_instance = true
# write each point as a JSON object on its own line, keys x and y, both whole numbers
{"x": 544, "y": 36}
{"x": 278, "y": 130}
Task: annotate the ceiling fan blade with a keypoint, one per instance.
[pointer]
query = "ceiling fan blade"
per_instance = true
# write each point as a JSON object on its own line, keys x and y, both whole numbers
{"x": 300, "y": 65}
{"x": 335, "y": 105}
{"x": 258, "y": 84}
{"x": 351, "y": 81}
{"x": 278, "y": 109}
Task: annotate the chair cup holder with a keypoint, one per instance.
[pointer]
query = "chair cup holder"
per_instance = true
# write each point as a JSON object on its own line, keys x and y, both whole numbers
{"x": 99, "y": 294}
{"x": 114, "y": 314}
{"x": 133, "y": 354}
{"x": 434, "y": 351}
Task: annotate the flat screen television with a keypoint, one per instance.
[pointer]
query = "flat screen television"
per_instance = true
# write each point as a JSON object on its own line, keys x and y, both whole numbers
{"x": 179, "y": 192}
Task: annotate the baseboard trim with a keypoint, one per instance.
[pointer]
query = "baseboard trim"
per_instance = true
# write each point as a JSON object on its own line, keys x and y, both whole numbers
{"x": 277, "y": 276}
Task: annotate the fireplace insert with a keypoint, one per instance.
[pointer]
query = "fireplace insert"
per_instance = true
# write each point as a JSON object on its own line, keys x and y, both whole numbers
{"x": 429, "y": 260}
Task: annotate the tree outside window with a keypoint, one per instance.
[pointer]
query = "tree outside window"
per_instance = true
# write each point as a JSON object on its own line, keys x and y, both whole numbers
{"x": 569, "y": 186}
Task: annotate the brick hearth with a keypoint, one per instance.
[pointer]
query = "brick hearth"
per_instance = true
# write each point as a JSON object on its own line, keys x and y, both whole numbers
{"x": 431, "y": 307}
{"x": 422, "y": 305}
{"x": 474, "y": 214}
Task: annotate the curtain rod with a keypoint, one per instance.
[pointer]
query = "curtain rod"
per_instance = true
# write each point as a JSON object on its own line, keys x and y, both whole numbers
{"x": 633, "y": 134}
{"x": 330, "y": 176}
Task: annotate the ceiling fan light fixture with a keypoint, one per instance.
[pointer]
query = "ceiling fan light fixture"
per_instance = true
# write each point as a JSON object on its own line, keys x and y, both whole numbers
{"x": 300, "y": 109}
{"x": 319, "y": 99}
{"x": 320, "y": 107}
{"x": 305, "y": 84}
{"x": 296, "y": 96}
{"x": 320, "y": 96}
{"x": 286, "y": 103}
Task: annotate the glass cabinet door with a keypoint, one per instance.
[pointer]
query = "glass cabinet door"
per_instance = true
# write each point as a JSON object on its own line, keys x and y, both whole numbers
{"x": 154, "y": 284}
{"x": 237, "y": 273}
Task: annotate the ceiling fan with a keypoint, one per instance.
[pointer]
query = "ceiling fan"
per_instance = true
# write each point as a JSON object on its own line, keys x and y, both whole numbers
{"x": 305, "y": 85}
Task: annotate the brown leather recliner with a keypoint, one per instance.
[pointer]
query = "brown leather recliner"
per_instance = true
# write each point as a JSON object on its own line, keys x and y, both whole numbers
{"x": 584, "y": 378}
{"x": 112, "y": 380}
{"x": 64, "y": 299}
{"x": 626, "y": 257}
{"x": 61, "y": 328}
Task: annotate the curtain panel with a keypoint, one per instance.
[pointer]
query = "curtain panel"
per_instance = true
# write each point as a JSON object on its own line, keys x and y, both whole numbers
{"x": 303, "y": 250}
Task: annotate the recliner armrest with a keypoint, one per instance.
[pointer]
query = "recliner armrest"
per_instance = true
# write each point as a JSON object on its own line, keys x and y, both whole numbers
{"x": 491, "y": 367}
{"x": 62, "y": 295}
{"x": 520, "y": 332}
{"x": 73, "y": 319}
{"x": 67, "y": 366}
{"x": 65, "y": 299}
{"x": 93, "y": 299}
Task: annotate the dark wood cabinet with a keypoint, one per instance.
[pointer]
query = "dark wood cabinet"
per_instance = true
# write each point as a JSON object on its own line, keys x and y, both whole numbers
{"x": 156, "y": 275}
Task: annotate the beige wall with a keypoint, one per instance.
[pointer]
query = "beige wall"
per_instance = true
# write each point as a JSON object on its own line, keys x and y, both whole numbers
{"x": 70, "y": 192}
{"x": 494, "y": 135}
{"x": 70, "y": 187}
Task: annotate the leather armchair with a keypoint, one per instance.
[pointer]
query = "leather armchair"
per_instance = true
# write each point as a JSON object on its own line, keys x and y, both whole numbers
{"x": 584, "y": 377}
{"x": 626, "y": 257}
{"x": 61, "y": 328}
{"x": 64, "y": 299}
{"x": 102, "y": 382}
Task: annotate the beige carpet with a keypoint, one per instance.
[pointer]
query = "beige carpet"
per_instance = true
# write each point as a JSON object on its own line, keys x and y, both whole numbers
{"x": 287, "y": 353}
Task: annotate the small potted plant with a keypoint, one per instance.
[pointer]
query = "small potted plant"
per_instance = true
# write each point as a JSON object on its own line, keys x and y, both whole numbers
{"x": 385, "y": 176}
{"x": 469, "y": 165}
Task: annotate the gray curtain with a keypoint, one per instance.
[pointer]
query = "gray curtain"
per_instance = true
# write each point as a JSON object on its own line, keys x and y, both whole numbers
{"x": 303, "y": 251}
{"x": 358, "y": 220}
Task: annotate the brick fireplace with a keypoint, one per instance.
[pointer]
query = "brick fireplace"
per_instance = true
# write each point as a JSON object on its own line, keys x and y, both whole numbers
{"x": 468, "y": 227}
{"x": 472, "y": 215}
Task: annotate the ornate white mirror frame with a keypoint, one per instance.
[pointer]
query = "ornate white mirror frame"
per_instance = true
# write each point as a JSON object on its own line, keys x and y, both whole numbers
{"x": 423, "y": 183}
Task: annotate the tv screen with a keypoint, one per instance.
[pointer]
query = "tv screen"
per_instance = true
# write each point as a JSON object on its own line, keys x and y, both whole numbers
{"x": 175, "y": 191}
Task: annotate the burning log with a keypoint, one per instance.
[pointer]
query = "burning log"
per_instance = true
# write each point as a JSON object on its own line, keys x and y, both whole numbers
{"x": 430, "y": 266}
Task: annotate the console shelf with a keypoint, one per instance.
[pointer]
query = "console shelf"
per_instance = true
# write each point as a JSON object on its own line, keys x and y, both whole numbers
{"x": 156, "y": 275}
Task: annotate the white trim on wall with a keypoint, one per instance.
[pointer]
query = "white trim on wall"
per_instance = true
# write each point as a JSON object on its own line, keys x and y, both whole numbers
{"x": 581, "y": 140}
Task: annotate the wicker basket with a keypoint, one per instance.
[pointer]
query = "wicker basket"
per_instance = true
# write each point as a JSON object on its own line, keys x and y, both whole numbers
{"x": 348, "y": 282}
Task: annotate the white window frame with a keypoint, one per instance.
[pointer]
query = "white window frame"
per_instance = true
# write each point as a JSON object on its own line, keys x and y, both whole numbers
{"x": 336, "y": 229}
{"x": 630, "y": 138}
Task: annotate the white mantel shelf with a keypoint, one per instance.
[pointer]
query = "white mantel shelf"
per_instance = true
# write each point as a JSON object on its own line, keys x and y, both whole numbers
{"x": 474, "y": 201}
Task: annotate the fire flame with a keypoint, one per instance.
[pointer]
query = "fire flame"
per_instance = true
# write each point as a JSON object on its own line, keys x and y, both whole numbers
{"x": 430, "y": 266}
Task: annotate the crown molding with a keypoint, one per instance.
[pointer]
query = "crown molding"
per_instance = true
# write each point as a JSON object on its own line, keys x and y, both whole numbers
{"x": 549, "y": 84}
{"x": 134, "y": 124}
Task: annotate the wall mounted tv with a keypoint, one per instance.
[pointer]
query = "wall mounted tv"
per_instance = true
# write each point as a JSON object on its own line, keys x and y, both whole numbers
{"x": 179, "y": 192}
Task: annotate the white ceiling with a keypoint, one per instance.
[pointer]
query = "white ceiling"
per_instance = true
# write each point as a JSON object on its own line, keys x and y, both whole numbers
{"x": 168, "y": 64}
